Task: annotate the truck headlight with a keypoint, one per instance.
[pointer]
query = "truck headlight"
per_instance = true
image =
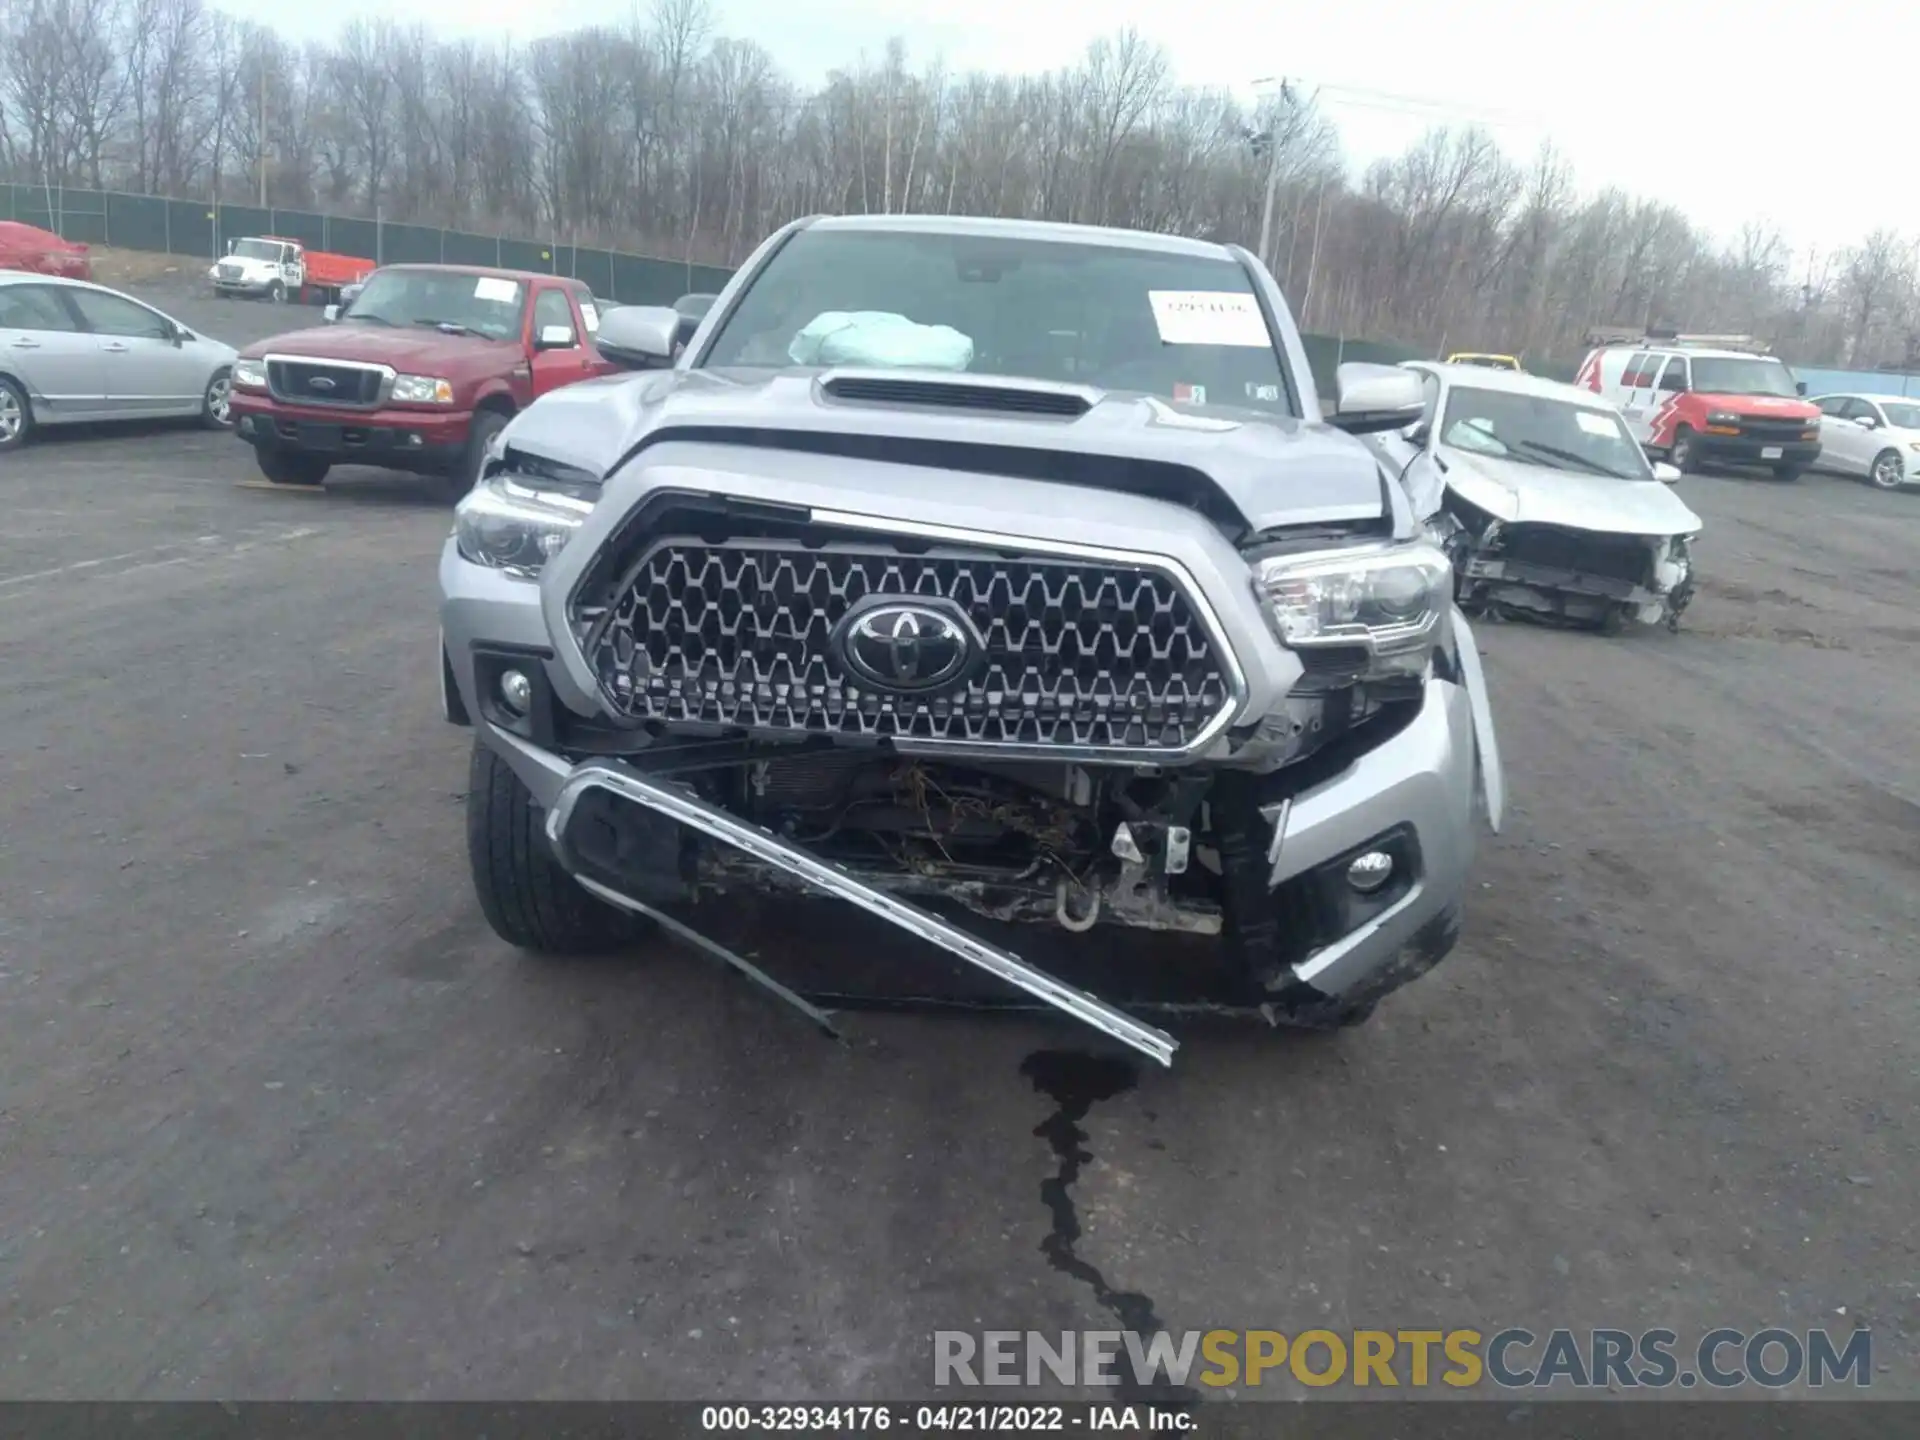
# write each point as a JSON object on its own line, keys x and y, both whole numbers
{"x": 506, "y": 523}
{"x": 422, "y": 390}
{"x": 250, "y": 374}
{"x": 1388, "y": 599}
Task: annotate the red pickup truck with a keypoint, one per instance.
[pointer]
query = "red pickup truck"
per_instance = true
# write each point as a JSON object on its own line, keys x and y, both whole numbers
{"x": 418, "y": 373}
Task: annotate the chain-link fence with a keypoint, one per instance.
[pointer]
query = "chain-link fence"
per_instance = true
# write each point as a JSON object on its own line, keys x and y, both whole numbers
{"x": 203, "y": 228}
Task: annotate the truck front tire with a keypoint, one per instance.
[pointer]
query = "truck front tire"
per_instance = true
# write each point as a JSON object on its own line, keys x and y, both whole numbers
{"x": 530, "y": 902}
{"x": 466, "y": 473}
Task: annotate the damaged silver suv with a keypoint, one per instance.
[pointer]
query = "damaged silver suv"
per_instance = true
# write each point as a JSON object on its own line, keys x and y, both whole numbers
{"x": 956, "y": 566}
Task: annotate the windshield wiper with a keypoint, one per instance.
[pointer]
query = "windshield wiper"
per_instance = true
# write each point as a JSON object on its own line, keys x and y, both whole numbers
{"x": 1573, "y": 457}
{"x": 368, "y": 316}
{"x": 453, "y": 326}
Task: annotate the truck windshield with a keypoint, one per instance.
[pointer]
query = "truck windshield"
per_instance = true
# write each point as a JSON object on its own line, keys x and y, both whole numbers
{"x": 1540, "y": 430}
{"x": 257, "y": 250}
{"x": 488, "y": 305}
{"x": 1713, "y": 376}
{"x": 1182, "y": 327}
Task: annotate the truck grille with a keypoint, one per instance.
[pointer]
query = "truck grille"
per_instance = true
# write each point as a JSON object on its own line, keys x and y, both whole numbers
{"x": 1079, "y": 653}
{"x": 314, "y": 382}
{"x": 1612, "y": 557}
{"x": 230, "y": 271}
{"x": 1775, "y": 429}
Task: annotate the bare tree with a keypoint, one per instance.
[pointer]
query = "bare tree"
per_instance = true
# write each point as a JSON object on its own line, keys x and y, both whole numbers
{"x": 658, "y": 136}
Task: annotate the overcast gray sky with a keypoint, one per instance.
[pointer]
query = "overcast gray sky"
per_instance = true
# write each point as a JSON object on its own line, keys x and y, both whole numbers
{"x": 1732, "y": 111}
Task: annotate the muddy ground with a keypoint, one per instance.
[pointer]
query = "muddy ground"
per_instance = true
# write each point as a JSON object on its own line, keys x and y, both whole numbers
{"x": 279, "y": 1117}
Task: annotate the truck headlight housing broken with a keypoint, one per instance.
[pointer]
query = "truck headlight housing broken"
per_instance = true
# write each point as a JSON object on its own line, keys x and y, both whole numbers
{"x": 250, "y": 374}
{"x": 508, "y": 523}
{"x": 1387, "y": 599}
{"x": 422, "y": 390}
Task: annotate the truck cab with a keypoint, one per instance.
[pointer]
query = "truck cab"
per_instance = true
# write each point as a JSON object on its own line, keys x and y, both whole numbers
{"x": 268, "y": 267}
{"x": 417, "y": 373}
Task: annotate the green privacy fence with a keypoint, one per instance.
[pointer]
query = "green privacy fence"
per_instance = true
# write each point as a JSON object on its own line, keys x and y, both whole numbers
{"x": 203, "y": 228}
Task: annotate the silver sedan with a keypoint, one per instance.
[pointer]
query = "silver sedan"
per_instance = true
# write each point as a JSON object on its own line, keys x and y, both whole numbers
{"x": 71, "y": 352}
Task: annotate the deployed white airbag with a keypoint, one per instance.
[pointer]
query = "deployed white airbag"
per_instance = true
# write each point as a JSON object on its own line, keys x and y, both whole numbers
{"x": 879, "y": 338}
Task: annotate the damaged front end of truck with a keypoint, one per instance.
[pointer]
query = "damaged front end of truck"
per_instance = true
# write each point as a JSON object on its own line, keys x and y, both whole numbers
{"x": 973, "y": 652}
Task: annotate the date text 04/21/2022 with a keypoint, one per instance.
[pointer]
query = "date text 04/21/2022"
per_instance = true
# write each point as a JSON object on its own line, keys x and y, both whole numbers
{"x": 955, "y": 1418}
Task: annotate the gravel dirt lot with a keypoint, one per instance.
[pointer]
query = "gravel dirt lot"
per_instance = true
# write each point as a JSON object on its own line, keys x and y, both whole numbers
{"x": 280, "y": 1118}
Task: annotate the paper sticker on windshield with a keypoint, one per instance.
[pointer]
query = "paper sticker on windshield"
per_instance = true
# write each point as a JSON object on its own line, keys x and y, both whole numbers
{"x": 492, "y": 287}
{"x": 1208, "y": 317}
{"x": 1596, "y": 423}
{"x": 590, "y": 315}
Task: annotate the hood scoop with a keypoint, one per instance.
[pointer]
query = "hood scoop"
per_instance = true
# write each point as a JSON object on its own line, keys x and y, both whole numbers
{"x": 977, "y": 392}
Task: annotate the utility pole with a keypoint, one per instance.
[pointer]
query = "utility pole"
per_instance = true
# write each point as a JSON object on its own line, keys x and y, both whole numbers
{"x": 1273, "y": 175}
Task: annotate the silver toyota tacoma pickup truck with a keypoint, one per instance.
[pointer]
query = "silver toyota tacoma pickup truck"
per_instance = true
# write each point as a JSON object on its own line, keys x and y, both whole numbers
{"x": 978, "y": 568}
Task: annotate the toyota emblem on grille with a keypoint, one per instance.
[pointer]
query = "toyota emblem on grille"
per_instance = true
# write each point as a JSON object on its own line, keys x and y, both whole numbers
{"x": 320, "y": 382}
{"x": 906, "y": 646}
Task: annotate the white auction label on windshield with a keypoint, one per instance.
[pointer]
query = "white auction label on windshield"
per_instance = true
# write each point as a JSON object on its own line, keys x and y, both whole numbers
{"x": 492, "y": 287}
{"x": 1594, "y": 423}
{"x": 1209, "y": 317}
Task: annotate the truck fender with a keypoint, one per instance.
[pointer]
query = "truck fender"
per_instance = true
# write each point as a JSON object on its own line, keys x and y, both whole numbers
{"x": 496, "y": 390}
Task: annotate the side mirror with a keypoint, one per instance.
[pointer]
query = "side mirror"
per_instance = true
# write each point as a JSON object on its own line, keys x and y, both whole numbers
{"x": 1666, "y": 474}
{"x": 639, "y": 337}
{"x": 1372, "y": 398}
{"x": 554, "y": 337}
{"x": 1417, "y": 434}
{"x": 1866, "y": 422}
{"x": 330, "y": 314}
{"x": 1801, "y": 388}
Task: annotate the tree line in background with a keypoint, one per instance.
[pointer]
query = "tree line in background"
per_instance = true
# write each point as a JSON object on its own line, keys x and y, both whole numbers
{"x": 664, "y": 137}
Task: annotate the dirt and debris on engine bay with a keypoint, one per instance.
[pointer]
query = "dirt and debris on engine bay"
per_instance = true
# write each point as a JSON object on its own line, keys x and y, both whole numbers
{"x": 279, "y": 1117}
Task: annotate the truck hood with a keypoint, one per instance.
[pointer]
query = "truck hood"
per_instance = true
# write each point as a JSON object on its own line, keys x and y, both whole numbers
{"x": 1773, "y": 407}
{"x": 1522, "y": 494}
{"x": 1248, "y": 472}
{"x": 415, "y": 351}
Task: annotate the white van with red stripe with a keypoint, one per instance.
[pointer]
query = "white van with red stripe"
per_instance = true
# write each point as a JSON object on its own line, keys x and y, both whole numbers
{"x": 1707, "y": 399}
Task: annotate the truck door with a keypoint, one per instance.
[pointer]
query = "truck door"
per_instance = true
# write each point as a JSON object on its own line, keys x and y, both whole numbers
{"x": 293, "y": 267}
{"x": 559, "y": 353}
{"x": 1664, "y": 406}
{"x": 1636, "y": 391}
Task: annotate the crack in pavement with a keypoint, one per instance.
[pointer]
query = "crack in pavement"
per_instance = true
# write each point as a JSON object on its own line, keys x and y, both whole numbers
{"x": 1075, "y": 1082}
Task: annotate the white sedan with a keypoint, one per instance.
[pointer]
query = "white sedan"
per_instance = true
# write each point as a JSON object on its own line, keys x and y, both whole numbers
{"x": 71, "y": 351}
{"x": 1874, "y": 436}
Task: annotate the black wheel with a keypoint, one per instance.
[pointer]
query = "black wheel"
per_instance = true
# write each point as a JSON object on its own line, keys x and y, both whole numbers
{"x": 486, "y": 425}
{"x": 216, "y": 411}
{"x": 527, "y": 898}
{"x": 1788, "y": 473}
{"x": 1681, "y": 456}
{"x": 1613, "y": 622}
{"x": 277, "y": 293}
{"x": 1888, "y": 471}
{"x": 16, "y": 414}
{"x": 285, "y": 468}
